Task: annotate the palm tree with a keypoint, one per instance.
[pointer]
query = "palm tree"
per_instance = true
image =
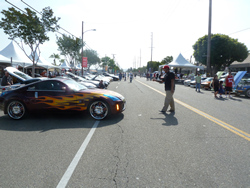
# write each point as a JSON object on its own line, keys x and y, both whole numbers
{"x": 55, "y": 56}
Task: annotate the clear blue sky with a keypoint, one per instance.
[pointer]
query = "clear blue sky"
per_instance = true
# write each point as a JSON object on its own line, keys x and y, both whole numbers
{"x": 124, "y": 28}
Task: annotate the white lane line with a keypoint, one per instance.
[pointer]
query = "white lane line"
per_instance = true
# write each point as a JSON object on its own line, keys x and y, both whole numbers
{"x": 67, "y": 175}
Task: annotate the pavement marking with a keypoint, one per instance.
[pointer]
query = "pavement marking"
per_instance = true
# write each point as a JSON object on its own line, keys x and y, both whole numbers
{"x": 71, "y": 168}
{"x": 211, "y": 118}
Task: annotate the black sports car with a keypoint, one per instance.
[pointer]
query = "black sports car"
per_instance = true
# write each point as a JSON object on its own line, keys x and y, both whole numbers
{"x": 62, "y": 94}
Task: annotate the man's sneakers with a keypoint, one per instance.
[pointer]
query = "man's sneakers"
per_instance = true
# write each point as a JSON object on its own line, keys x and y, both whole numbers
{"x": 164, "y": 112}
{"x": 170, "y": 110}
{"x": 161, "y": 111}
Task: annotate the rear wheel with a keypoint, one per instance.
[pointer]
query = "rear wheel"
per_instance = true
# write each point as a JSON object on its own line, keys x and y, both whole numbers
{"x": 99, "y": 110}
{"x": 16, "y": 110}
{"x": 248, "y": 93}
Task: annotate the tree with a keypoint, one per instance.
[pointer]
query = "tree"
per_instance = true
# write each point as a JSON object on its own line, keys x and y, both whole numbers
{"x": 55, "y": 56}
{"x": 92, "y": 57}
{"x": 70, "y": 47}
{"x": 105, "y": 61}
{"x": 29, "y": 29}
{"x": 224, "y": 51}
{"x": 153, "y": 65}
{"x": 112, "y": 64}
{"x": 167, "y": 60}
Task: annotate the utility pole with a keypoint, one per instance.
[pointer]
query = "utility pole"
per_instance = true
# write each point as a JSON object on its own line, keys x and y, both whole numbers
{"x": 209, "y": 39}
{"x": 82, "y": 48}
{"x": 113, "y": 71}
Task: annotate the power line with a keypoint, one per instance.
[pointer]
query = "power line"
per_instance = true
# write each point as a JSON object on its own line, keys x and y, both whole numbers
{"x": 239, "y": 31}
{"x": 41, "y": 14}
{"x": 15, "y": 7}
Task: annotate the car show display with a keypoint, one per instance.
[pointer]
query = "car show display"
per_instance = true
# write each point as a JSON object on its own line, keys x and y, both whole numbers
{"x": 60, "y": 94}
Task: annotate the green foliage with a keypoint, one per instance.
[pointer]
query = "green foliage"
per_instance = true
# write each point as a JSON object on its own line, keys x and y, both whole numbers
{"x": 142, "y": 69}
{"x": 29, "y": 28}
{"x": 55, "y": 56}
{"x": 105, "y": 61}
{"x": 224, "y": 51}
{"x": 70, "y": 48}
{"x": 92, "y": 57}
{"x": 154, "y": 65}
{"x": 167, "y": 60}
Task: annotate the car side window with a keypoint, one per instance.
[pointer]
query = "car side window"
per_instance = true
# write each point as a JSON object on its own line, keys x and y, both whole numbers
{"x": 52, "y": 85}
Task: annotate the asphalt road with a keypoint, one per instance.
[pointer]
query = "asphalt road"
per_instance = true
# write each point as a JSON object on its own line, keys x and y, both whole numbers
{"x": 205, "y": 143}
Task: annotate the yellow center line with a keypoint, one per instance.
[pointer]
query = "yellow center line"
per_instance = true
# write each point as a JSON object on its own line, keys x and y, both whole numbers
{"x": 207, "y": 116}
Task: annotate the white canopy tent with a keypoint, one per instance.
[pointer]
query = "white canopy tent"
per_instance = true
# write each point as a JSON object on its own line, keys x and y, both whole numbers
{"x": 65, "y": 65}
{"x": 181, "y": 62}
{"x": 15, "y": 52}
{"x": 43, "y": 63}
{"x": 4, "y": 59}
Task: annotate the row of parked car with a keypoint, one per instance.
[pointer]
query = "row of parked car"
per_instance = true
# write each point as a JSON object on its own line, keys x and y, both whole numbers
{"x": 88, "y": 80}
{"x": 241, "y": 80}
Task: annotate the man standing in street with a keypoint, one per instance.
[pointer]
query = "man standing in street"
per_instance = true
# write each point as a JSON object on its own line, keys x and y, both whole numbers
{"x": 198, "y": 82}
{"x": 229, "y": 84}
{"x": 169, "y": 79}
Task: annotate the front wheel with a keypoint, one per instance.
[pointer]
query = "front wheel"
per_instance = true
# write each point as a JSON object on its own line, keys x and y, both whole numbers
{"x": 99, "y": 110}
{"x": 16, "y": 110}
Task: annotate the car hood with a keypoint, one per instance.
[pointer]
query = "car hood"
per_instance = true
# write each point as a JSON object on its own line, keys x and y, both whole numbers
{"x": 18, "y": 74}
{"x": 238, "y": 77}
{"x": 107, "y": 93}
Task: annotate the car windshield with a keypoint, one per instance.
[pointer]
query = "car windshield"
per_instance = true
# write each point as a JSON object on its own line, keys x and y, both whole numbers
{"x": 75, "y": 76}
{"x": 75, "y": 86}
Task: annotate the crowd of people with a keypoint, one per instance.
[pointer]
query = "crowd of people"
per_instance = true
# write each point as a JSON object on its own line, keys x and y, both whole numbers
{"x": 219, "y": 88}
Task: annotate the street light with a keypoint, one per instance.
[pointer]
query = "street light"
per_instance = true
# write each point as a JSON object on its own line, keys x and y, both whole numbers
{"x": 82, "y": 43}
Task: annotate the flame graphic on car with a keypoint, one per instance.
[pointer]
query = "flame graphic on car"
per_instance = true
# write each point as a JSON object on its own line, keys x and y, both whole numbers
{"x": 78, "y": 101}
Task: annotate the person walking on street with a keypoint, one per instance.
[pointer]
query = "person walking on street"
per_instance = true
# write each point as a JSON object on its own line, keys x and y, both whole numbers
{"x": 221, "y": 89}
{"x": 198, "y": 82}
{"x": 216, "y": 85}
{"x": 169, "y": 79}
{"x": 131, "y": 77}
{"x": 229, "y": 84}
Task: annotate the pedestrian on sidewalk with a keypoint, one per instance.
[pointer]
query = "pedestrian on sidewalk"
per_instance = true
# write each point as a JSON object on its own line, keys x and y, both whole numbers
{"x": 168, "y": 79}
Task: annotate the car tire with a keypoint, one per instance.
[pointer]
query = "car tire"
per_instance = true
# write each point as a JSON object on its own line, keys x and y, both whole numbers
{"x": 99, "y": 110}
{"x": 248, "y": 93}
{"x": 16, "y": 110}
